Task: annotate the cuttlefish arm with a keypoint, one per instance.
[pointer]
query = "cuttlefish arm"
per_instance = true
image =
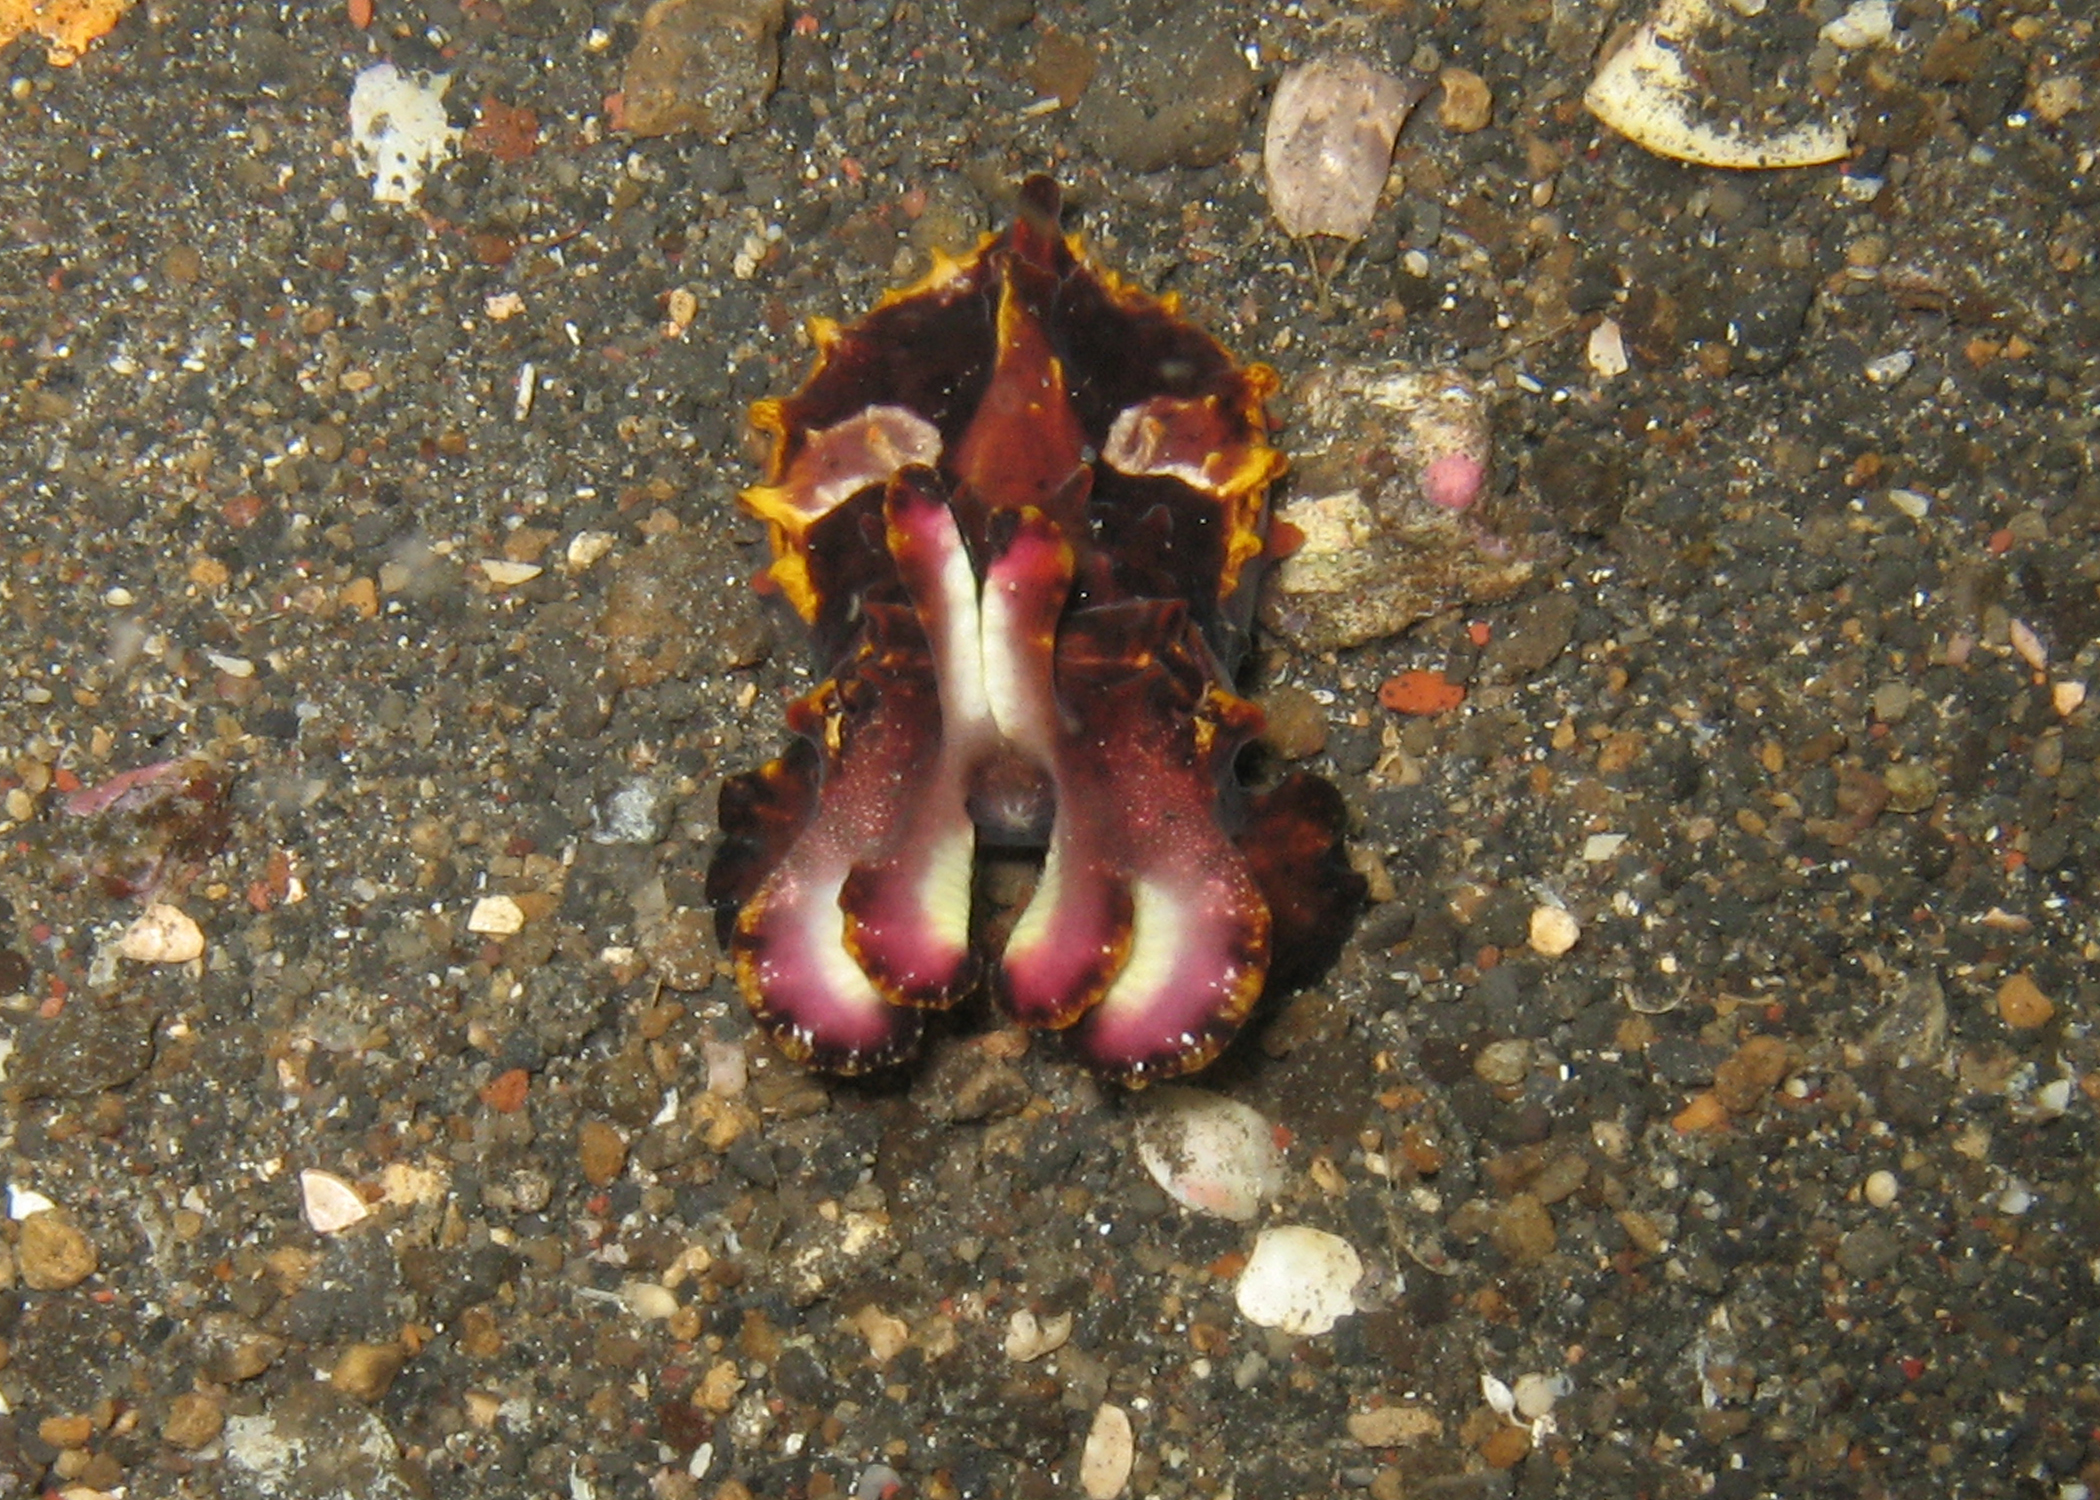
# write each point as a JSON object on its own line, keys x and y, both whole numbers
{"x": 907, "y": 904}
{"x": 1148, "y": 937}
{"x": 875, "y": 732}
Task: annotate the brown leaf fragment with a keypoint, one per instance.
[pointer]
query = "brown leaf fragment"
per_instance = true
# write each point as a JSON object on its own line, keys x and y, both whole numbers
{"x": 1330, "y": 142}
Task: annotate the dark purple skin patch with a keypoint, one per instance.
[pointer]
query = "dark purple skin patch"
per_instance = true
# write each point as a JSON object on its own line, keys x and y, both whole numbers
{"x": 1021, "y": 507}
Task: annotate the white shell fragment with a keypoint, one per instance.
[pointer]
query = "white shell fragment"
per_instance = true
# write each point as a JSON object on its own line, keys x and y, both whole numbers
{"x": 1657, "y": 94}
{"x": 496, "y": 916}
{"x": 506, "y": 574}
{"x": 1298, "y": 1279}
{"x": 399, "y": 130}
{"x": 332, "y": 1205}
{"x": 1209, "y": 1153}
{"x": 1329, "y": 144}
{"x": 1536, "y": 1395}
{"x": 162, "y": 934}
{"x": 1111, "y": 1449}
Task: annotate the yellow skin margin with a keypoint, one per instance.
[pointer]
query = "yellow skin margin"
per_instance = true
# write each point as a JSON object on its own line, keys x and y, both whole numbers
{"x": 1241, "y": 492}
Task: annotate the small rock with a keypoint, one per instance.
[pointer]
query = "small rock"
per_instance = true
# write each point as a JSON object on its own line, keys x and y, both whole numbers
{"x": 1505, "y": 1446}
{"x": 332, "y": 1205}
{"x": 1467, "y": 102}
{"x": 73, "y": 1430}
{"x": 86, "y": 1048}
{"x": 601, "y": 1150}
{"x": 1880, "y": 1188}
{"x": 888, "y": 1336}
{"x": 2058, "y": 97}
{"x": 193, "y": 1420}
{"x": 1209, "y": 1153}
{"x": 680, "y": 948}
{"x": 363, "y": 1372}
{"x": 505, "y": 574}
{"x": 1394, "y": 1426}
{"x": 1296, "y": 724}
{"x": 1913, "y": 786}
{"x": 1868, "y": 1251}
{"x": 1523, "y": 1230}
{"x": 1111, "y": 1449}
{"x": 1503, "y": 1063}
{"x": 1554, "y": 930}
{"x": 1177, "y": 94}
{"x": 702, "y": 65}
{"x": 163, "y": 934}
{"x": 1864, "y": 23}
{"x": 52, "y": 1254}
{"x": 496, "y": 916}
{"x": 876, "y": 1482}
{"x": 651, "y": 1301}
{"x": 2021, "y": 1003}
{"x": 1029, "y": 1337}
{"x": 718, "y": 1388}
{"x": 1743, "y": 1080}
{"x": 1704, "y": 1112}
{"x": 1531, "y": 639}
{"x": 1607, "y": 350}
{"x": 1300, "y": 1280}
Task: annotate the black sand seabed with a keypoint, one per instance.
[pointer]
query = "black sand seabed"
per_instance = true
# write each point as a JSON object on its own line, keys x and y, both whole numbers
{"x": 1828, "y": 561}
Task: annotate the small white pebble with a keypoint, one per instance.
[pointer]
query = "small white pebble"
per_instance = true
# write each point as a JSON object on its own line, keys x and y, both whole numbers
{"x": 1029, "y": 1337}
{"x": 586, "y": 547}
{"x": 1554, "y": 930}
{"x": 163, "y": 934}
{"x": 1599, "y": 847}
{"x": 1912, "y": 503}
{"x": 1880, "y": 1188}
{"x": 2016, "y": 1199}
{"x": 505, "y": 574}
{"x": 1890, "y": 368}
{"x": 649, "y": 1301}
{"x": 1865, "y": 23}
{"x": 2028, "y": 644}
{"x": 2053, "y": 1098}
{"x": 728, "y": 1067}
{"x": 2067, "y": 696}
{"x": 1607, "y": 350}
{"x": 332, "y": 1205}
{"x": 496, "y": 916}
{"x": 1111, "y": 1449}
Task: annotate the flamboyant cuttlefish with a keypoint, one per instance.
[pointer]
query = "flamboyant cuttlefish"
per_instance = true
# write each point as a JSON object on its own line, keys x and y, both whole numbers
{"x": 1021, "y": 507}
